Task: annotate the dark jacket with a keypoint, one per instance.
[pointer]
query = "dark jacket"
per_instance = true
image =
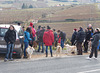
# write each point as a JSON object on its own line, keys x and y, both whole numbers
{"x": 95, "y": 39}
{"x": 55, "y": 36}
{"x": 74, "y": 37}
{"x": 10, "y": 36}
{"x": 40, "y": 36}
{"x": 80, "y": 36}
{"x": 87, "y": 35}
{"x": 91, "y": 31}
{"x": 62, "y": 35}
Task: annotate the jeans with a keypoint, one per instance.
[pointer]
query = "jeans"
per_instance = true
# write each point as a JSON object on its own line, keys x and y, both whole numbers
{"x": 47, "y": 50}
{"x": 9, "y": 53}
{"x": 40, "y": 47}
{"x": 26, "y": 45}
{"x": 62, "y": 43}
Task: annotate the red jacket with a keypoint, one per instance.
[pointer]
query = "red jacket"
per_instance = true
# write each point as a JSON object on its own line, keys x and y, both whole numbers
{"x": 59, "y": 40}
{"x": 48, "y": 37}
{"x": 33, "y": 32}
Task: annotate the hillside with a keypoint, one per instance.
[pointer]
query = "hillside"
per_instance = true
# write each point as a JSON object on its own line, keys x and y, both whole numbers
{"x": 83, "y": 12}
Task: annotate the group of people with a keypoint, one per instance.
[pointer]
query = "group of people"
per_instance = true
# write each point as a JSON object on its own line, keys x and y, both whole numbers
{"x": 50, "y": 38}
{"x": 82, "y": 39}
{"x": 47, "y": 37}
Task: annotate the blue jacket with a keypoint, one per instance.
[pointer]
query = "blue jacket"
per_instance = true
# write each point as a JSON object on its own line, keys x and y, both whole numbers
{"x": 27, "y": 36}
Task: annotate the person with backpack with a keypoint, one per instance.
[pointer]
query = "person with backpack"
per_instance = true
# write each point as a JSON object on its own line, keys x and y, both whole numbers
{"x": 27, "y": 39}
{"x": 48, "y": 40}
{"x": 10, "y": 38}
{"x": 74, "y": 35}
{"x": 62, "y": 35}
{"x": 95, "y": 42}
{"x": 80, "y": 38}
{"x": 40, "y": 38}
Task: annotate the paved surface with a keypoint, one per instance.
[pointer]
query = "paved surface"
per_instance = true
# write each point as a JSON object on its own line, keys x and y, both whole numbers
{"x": 75, "y": 64}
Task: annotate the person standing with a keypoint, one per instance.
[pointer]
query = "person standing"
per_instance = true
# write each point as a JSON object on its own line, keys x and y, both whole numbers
{"x": 62, "y": 35}
{"x": 87, "y": 40}
{"x": 80, "y": 39}
{"x": 73, "y": 39}
{"x": 48, "y": 39}
{"x": 95, "y": 42}
{"x": 10, "y": 38}
{"x": 40, "y": 38}
{"x": 27, "y": 39}
{"x": 33, "y": 32}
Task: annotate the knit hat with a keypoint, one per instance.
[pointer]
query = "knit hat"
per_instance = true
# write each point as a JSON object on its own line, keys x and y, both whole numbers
{"x": 75, "y": 29}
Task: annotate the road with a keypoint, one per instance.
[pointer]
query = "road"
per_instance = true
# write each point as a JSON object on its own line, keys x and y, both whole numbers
{"x": 74, "y": 64}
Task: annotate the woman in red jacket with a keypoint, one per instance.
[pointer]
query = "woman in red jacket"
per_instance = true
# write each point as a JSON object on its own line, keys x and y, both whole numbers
{"x": 48, "y": 39}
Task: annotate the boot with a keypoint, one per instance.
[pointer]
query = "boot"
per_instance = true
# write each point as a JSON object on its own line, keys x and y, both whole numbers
{"x": 46, "y": 54}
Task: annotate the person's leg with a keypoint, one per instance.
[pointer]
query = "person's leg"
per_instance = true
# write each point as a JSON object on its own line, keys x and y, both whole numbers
{"x": 62, "y": 44}
{"x": 81, "y": 49}
{"x": 42, "y": 48}
{"x": 96, "y": 52}
{"x": 8, "y": 51}
{"x": 91, "y": 54}
{"x": 11, "y": 51}
{"x": 46, "y": 51}
{"x": 26, "y": 45}
{"x": 39, "y": 47}
{"x": 77, "y": 48}
{"x": 85, "y": 47}
{"x": 51, "y": 51}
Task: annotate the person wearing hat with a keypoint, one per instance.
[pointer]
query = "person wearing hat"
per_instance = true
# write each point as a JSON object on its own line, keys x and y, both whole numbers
{"x": 48, "y": 40}
{"x": 95, "y": 42}
{"x": 73, "y": 39}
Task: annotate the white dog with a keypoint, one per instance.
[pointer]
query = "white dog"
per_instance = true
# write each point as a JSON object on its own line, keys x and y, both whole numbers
{"x": 29, "y": 51}
{"x": 71, "y": 49}
{"x": 58, "y": 50}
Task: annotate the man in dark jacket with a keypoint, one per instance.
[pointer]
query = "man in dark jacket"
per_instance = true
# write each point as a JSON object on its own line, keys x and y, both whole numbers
{"x": 80, "y": 39}
{"x": 40, "y": 39}
{"x": 62, "y": 35}
{"x": 10, "y": 38}
{"x": 95, "y": 42}
{"x": 73, "y": 39}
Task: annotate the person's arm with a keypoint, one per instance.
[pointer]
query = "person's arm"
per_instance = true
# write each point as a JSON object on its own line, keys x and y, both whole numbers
{"x": 28, "y": 37}
{"x": 95, "y": 39}
{"x": 6, "y": 37}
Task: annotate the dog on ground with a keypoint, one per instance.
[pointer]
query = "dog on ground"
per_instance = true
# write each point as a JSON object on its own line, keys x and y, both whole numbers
{"x": 71, "y": 49}
{"x": 29, "y": 51}
{"x": 58, "y": 50}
